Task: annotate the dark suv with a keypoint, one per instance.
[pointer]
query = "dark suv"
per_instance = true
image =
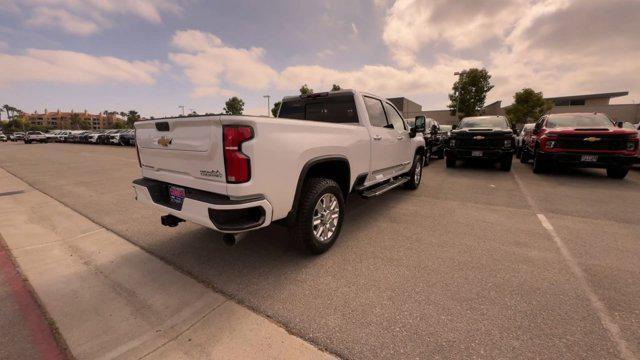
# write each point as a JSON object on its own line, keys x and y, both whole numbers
{"x": 481, "y": 137}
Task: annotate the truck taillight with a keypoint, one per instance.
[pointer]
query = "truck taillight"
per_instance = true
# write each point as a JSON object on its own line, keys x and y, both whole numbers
{"x": 237, "y": 164}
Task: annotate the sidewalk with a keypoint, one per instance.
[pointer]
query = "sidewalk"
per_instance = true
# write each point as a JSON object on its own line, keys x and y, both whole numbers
{"x": 110, "y": 299}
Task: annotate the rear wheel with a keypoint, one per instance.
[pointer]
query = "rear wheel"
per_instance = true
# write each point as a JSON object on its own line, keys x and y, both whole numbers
{"x": 617, "y": 172}
{"x": 415, "y": 175}
{"x": 441, "y": 153}
{"x": 320, "y": 215}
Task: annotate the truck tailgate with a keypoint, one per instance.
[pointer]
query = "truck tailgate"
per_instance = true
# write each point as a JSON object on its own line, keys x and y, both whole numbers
{"x": 183, "y": 151}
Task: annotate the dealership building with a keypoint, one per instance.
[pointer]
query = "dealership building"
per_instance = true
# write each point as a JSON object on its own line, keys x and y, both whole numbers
{"x": 563, "y": 104}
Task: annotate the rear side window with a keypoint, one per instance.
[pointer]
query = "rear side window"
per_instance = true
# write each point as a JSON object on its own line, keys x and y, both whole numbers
{"x": 375, "y": 112}
{"x": 333, "y": 109}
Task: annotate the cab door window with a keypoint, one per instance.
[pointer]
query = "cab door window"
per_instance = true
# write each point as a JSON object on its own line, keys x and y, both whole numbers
{"x": 395, "y": 120}
{"x": 375, "y": 111}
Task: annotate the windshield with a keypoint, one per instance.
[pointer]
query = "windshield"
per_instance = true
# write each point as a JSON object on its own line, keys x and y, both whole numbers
{"x": 579, "y": 120}
{"x": 340, "y": 108}
{"x": 484, "y": 122}
{"x": 445, "y": 128}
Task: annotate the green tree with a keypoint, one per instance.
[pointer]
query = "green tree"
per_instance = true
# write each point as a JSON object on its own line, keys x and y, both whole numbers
{"x": 470, "y": 92}
{"x": 234, "y": 106}
{"x": 75, "y": 120}
{"x": 305, "y": 90}
{"x": 118, "y": 125}
{"x": 528, "y": 106}
{"x": 336, "y": 87}
{"x": 276, "y": 108}
{"x": 132, "y": 117}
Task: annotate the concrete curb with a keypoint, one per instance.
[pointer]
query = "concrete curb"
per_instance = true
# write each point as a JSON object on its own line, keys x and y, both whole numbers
{"x": 110, "y": 299}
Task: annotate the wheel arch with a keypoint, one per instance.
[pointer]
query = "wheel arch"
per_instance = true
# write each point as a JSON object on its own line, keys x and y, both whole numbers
{"x": 335, "y": 167}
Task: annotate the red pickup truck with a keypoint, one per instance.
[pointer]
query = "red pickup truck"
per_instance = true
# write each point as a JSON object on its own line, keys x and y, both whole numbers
{"x": 587, "y": 140}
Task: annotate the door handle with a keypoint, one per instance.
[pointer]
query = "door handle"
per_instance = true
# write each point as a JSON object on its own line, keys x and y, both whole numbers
{"x": 400, "y": 137}
{"x": 377, "y": 137}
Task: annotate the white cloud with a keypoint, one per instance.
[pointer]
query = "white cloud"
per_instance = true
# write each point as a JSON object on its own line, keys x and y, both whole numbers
{"x": 195, "y": 41}
{"x": 410, "y": 25}
{"x": 560, "y": 47}
{"x": 379, "y": 79}
{"x": 212, "y": 66}
{"x": 74, "y": 68}
{"x": 60, "y": 18}
{"x": 86, "y": 17}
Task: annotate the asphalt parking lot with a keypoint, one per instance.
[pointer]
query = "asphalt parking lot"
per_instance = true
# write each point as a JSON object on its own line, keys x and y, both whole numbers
{"x": 476, "y": 263}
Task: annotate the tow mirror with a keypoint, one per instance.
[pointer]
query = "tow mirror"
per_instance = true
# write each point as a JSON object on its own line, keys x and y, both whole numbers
{"x": 420, "y": 124}
{"x": 620, "y": 124}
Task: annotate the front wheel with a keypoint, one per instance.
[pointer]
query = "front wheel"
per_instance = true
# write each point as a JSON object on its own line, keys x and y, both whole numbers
{"x": 617, "y": 172}
{"x": 415, "y": 175}
{"x": 320, "y": 215}
{"x": 427, "y": 157}
{"x": 505, "y": 163}
{"x": 540, "y": 164}
{"x": 450, "y": 162}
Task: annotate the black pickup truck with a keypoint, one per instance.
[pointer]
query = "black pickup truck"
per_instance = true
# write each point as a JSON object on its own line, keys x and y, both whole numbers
{"x": 481, "y": 137}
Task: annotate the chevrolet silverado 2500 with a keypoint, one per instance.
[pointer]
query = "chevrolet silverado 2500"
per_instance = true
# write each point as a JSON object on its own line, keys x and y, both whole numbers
{"x": 481, "y": 137}
{"x": 587, "y": 140}
{"x": 234, "y": 174}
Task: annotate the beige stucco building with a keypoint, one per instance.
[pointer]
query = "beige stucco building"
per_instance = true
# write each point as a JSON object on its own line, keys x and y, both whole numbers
{"x": 563, "y": 104}
{"x": 62, "y": 120}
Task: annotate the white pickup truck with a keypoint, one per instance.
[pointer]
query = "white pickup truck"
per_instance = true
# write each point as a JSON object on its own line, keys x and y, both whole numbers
{"x": 234, "y": 174}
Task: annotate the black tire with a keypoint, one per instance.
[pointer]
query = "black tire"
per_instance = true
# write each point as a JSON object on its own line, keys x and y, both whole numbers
{"x": 617, "y": 172}
{"x": 441, "y": 153}
{"x": 302, "y": 229}
{"x": 427, "y": 157}
{"x": 505, "y": 163}
{"x": 415, "y": 174}
{"x": 540, "y": 165}
{"x": 524, "y": 156}
{"x": 451, "y": 162}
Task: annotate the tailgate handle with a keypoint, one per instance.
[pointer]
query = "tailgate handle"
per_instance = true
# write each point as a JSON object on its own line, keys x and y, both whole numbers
{"x": 162, "y": 126}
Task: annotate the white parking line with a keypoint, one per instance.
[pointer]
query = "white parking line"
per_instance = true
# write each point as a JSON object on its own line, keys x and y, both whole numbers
{"x": 599, "y": 307}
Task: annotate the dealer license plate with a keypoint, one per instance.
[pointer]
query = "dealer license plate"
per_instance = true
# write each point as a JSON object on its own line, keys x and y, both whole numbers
{"x": 176, "y": 194}
{"x": 476, "y": 153}
{"x": 589, "y": 158}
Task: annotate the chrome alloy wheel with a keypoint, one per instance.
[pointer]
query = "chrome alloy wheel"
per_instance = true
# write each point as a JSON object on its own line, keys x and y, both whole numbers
{"x": 418, "y": 173}
{"x": 326, "y": 215}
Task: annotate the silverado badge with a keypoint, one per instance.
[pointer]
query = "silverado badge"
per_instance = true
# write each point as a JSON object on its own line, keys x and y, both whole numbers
{"x": 592, "y": 139}
{"x": 479, "y": 137}
{"x": 163, "y": 141}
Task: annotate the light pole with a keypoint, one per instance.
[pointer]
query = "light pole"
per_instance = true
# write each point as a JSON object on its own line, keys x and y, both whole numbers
{"x": 459, "y": 74}
{"x": 268, "y": 97}
{"x": 181, "y": 107}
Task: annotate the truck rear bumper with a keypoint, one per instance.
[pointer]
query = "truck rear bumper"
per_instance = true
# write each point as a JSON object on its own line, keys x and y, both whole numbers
{"x": 602, "y": 160}
{"x": 208, "y": 209}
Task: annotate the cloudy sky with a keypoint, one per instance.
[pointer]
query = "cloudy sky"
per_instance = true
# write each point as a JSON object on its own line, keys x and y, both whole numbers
{"x": 154, "y": 55}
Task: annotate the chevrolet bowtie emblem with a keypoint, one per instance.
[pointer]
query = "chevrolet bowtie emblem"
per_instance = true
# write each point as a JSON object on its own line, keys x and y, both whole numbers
{"x": 163, "y": 141}
{"x": 592, "y": 139}
{"x": 479, "y": 137}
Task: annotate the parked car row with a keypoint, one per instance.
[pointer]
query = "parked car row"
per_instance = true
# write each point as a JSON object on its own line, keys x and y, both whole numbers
{"x": 123, "y": 137}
